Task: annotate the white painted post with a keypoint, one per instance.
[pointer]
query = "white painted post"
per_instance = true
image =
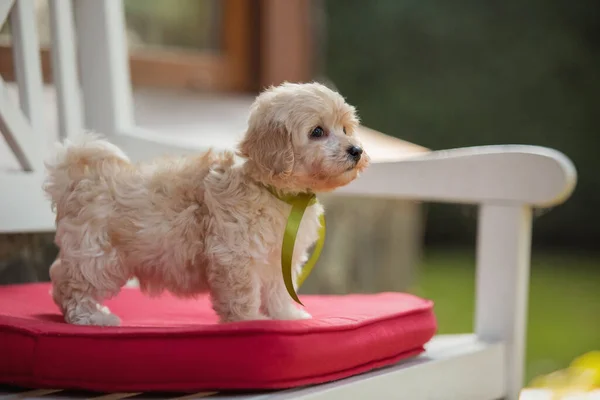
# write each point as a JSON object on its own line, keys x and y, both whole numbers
{"x": 28, "y": 72}
{"x": 103, "y": 58}
{"x": 502, "y": 284}
{"x": 64, "y": 68}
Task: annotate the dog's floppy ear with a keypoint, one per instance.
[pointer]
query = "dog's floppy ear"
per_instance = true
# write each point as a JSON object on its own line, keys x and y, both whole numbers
{"x": 270, "y": 147}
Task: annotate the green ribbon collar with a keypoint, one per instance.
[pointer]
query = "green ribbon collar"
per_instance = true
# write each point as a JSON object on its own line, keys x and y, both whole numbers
{"x": 299, "y": 203}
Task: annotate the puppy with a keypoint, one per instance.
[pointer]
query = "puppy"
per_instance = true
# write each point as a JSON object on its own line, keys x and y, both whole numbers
{"x": 206, "y": 223}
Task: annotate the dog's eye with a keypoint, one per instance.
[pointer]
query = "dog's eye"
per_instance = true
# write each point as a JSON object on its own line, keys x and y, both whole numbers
{"x": 317, "y": 132}
{"x": 344, "y": 129}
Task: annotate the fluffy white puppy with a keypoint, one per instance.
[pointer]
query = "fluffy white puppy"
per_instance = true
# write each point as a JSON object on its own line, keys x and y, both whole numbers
{"x": 190, "y": 225}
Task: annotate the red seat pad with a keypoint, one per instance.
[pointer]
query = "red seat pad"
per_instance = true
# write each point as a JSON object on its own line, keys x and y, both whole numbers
{"x": 169, "y": 344}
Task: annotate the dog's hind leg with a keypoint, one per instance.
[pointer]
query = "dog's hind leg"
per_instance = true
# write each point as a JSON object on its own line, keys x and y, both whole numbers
{"x": 79, "y": 295}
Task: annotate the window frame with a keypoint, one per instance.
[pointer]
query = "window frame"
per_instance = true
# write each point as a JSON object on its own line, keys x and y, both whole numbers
{"x": 233, "y": 68}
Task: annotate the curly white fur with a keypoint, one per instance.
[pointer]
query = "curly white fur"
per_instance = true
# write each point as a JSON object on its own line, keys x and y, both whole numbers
{"x": 190, "y": 225}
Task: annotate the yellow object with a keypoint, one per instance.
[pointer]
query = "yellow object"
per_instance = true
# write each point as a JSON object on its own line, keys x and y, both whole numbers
{"x": 299, "y": 204}
{"x": 589, "y": 365}
{"x": 581, "y": 377}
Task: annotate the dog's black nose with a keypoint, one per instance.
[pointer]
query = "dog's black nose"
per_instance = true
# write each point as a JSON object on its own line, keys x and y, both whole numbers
{"x": 355, "y": 152}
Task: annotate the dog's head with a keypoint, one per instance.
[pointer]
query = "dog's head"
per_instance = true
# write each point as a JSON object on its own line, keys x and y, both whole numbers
{"x": 303, "y": 137}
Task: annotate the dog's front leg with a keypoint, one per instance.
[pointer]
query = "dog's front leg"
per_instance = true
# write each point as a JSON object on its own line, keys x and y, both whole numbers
{"x": 235, "y": 291}
{"x": 277, "y": 302}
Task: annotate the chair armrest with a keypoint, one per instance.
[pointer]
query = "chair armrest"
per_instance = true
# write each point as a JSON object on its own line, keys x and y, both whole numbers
{"x": 506, "y": 182}
{"x": 507, "y": 174}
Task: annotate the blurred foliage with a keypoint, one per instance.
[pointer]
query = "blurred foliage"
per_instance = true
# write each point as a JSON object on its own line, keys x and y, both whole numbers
{"x": 448, "y": 74}
{"x": 564, "y": 302}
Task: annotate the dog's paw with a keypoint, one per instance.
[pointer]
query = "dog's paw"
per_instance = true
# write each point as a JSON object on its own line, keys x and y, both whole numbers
{"x": 102, "y": 309}
{"x": 105, "y": 319}
{"x": 238, "y": 318}
{"x": 291, "y": 313}
{"x": 98, "y": 318}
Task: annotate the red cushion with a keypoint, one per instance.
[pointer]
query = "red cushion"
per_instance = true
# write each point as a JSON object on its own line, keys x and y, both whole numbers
{"x": 169, "y": 344}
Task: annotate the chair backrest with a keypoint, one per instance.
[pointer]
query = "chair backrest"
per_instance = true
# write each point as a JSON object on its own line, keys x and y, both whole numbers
{"x": 92, "y": 90}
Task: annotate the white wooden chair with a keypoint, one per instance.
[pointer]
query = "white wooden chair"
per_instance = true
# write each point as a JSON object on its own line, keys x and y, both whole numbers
{"x": 506, "y": 182}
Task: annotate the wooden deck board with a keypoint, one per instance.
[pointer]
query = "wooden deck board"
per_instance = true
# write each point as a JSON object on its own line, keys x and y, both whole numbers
{"x": 14, "y": 393}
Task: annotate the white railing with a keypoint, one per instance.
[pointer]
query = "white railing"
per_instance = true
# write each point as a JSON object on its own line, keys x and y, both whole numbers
{"x": 104, "y": 66}
{"x": 64, "y": 68}
{"x": 23, "y": 128}
{"x": 101, "y": 101}
{"x": 93, "y": 91}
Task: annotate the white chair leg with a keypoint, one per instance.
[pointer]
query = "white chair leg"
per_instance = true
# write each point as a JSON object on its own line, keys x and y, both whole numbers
{"x": 502, "y": 284}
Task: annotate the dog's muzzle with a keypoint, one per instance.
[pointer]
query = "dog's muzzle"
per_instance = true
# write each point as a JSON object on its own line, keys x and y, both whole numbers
{"x": 354, "y": 153}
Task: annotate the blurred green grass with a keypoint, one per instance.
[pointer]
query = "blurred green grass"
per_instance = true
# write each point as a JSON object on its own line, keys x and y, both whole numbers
{"x": 564, "y": 302}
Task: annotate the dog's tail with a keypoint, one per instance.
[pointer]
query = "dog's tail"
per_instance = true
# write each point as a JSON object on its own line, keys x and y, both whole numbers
{"x": 83, "y": 157}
